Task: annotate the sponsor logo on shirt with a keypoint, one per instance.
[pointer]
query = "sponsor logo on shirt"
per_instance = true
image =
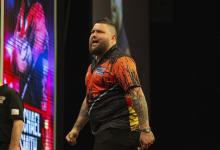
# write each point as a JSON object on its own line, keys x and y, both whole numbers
{"x": 14, "y": 111}
{"x": 100, "y": 70}
{"x": 2, "y": 98}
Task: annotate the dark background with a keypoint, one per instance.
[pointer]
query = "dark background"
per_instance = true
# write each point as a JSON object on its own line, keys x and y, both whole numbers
{"x": 184, "y": 45}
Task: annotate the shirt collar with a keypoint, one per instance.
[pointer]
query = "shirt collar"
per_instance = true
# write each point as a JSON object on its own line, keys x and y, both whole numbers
{"x": 104, "y": 58}
{"x": 107, "y": 54}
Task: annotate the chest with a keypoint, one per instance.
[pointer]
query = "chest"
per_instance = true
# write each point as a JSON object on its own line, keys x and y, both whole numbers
{"x": 3, "y": 106}
{"x": 101, "y": 77}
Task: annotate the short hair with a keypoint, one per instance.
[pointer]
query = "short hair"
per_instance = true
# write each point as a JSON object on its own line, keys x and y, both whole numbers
{"x": 107, "y": 21}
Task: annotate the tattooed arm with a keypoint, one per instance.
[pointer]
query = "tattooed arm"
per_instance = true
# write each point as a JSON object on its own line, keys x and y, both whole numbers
{"x": 140, "y": 107}
{"x": 82, "y": 119}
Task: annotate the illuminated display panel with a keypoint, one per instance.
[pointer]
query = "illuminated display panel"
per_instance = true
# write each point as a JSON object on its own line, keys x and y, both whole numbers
{"x": 1, "y": 52}
{"x": 28, "y": 66}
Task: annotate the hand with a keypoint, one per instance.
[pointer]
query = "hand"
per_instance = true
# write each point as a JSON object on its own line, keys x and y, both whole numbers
{"x": 146, "y": 139}
{"x": 72, "y": 136}
{"x": 21, "y": 55}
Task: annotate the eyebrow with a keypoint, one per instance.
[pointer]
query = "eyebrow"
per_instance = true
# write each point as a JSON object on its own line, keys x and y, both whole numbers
{"x": 97, "y": 30}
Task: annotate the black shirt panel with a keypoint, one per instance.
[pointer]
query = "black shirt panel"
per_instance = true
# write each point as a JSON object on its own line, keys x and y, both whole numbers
{"x": 109, "y": 109}
{"x": 11, "y": 107}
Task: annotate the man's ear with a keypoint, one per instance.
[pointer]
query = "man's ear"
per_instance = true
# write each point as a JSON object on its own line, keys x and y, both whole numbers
{"x": 114, "y": 37}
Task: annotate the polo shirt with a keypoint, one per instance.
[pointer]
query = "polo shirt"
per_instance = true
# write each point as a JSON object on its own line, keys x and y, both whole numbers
{"x": 11, "y": 107}
{"x": 108, "y": 104}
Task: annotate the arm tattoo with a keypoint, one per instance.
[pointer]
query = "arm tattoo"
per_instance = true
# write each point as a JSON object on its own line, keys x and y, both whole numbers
{"x": 140, "y": 105}
{"x": 76, "y": 125}
{"x": 83, "y": 112}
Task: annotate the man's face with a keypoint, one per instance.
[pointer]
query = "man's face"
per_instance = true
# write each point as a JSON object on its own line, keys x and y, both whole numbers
{"x": 100, "y": 38}
{"x": 116, "y": 13}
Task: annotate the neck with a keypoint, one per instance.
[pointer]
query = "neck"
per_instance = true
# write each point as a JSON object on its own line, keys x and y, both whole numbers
{"x": 100, "y": 57}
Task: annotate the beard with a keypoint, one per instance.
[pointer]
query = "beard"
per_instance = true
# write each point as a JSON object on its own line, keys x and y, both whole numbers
{"x": 100, "y": 49}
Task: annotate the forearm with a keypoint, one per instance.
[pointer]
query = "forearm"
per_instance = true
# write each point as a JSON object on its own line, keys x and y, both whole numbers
{"x": 83, "y": 117}
{"x": 140, "y": 106}
{"x": 16, "y": 134}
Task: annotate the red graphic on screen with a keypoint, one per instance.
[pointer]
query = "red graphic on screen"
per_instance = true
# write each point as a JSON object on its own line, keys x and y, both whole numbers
{"x": 29, "y": 63}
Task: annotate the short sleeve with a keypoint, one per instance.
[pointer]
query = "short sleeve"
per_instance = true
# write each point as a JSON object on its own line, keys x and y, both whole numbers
{"x": 125, "y": 73}
{"x": 16, "y": 107}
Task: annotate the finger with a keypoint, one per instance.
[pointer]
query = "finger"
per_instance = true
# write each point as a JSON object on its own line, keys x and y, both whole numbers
{"x": 73, "y": 143}
{"x": 153, "y": 140}
{"x": 146, "y": 147}
{"x": 70, "y": 140}
{"x": 73, "y": 140}
{"x": 67, "y": 138}
{"x": 71, "y": 137}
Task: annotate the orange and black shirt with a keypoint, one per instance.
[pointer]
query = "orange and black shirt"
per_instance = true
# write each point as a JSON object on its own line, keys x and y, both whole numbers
{"x": 107, "y": 82}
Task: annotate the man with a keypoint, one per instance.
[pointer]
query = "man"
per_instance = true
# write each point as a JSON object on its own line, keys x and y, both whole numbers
{"x": 30, "y": 53}
{"x": 117, "y": 20}
{"x": 11, "y": 118}
{"x": 114, "y": 102}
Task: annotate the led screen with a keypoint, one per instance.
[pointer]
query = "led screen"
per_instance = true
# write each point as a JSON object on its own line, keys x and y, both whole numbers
{"x": 28, "y": 66}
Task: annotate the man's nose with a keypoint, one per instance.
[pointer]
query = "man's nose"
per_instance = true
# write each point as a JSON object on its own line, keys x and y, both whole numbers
{"x": 94, "y": 35}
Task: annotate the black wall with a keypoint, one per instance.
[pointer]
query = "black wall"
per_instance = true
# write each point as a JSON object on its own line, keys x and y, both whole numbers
{"x": 184, "y": 88}
{"x": 74, "y": 24}
{"x": 184, "y": 79}
{"x": 60, "y": 75}
{"x": 76, "y": 64}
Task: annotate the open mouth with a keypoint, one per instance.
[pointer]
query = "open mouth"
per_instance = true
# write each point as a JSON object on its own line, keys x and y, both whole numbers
{"x": 95, "y": 41}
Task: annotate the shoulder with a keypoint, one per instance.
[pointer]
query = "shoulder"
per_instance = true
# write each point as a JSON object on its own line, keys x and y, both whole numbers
{"x": 122, "y": 58}
{"x": 118, "y": 53}
{"x": 11, "y": 92}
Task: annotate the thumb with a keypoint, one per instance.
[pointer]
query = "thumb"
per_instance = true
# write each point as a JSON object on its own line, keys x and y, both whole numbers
{"x": 71, "y": 137}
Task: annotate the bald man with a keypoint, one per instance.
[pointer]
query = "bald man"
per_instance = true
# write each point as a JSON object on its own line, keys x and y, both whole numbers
{"x": 114, "y": 104}
{"x": 11, "y": 118}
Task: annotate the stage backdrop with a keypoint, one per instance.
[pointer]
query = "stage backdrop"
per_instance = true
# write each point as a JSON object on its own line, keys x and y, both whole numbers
{"x": 1, "y": 51}
{"x": 28, "y": 66}
{"x": 131, "y": 20}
